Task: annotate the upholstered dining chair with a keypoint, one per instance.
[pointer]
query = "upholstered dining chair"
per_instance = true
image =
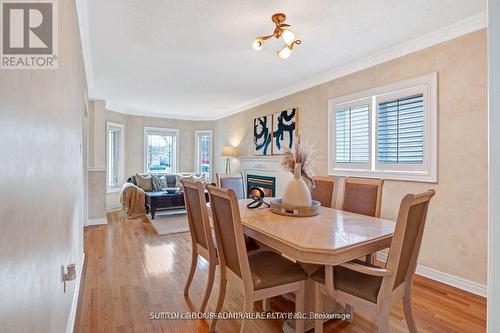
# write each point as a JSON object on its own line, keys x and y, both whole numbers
{"x": 363, "y": 196}
{"x": 257, "y": 276}
{"x": 201, "y": 235}
{"x": 232, "y": 181}
{"x": 376, "y": 289}
{"x": 235, "y": 182}
{"x": 324, "y": 190}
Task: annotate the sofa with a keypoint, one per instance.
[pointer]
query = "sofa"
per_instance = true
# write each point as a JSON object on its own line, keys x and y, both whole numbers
{"x": 163, "y": 190}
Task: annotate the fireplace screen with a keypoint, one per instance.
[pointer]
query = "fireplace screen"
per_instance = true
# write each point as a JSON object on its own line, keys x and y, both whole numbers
{"x": 265, "y": 183}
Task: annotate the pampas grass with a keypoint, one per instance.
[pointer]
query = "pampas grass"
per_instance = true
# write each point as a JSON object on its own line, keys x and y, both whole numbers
{"x": 300, "y": 154}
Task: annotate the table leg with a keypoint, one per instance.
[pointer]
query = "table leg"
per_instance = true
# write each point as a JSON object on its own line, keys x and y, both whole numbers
{"x": 330, "y": 306}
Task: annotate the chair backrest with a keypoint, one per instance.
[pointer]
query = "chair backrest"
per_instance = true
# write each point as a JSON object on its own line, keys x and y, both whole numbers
{"x": 405, "y": 246}
{"x": 323, "y": 190}
{"x": 229, "y": 232}
{"x": 363, "y": 196}
{"x": 199, "y": 223}
{"x": 234, "y": 182}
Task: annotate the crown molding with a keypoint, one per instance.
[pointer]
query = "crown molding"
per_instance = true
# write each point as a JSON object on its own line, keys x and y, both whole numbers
{"x": 460, "y": 28}
{"x": 82, "y": 14}
{"x": 111, "y": 106}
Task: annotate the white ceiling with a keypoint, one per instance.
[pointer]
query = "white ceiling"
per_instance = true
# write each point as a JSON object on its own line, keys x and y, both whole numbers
{"x": 193, "y": 59}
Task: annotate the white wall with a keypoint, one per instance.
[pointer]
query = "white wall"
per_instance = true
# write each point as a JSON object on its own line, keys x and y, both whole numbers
{"x": 41, "y": 186}
{"x": 494, "y": 168}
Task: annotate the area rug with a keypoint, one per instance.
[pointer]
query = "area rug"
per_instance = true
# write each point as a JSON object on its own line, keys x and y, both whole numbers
{"x": 168, "y": 223}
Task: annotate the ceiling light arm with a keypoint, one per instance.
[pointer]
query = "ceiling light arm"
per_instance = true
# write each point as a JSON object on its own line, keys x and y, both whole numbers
{"x": 295, "y": 42}
{"x": 265, "y": 37}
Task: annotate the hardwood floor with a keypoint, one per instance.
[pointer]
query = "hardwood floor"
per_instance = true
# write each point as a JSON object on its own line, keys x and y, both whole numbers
{"x": 131, "y": 272}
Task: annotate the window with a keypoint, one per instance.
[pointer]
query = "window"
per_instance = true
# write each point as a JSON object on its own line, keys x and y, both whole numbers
{"x": 204, "y": 153}
{"x": 388, "y": 132}
{"x": 160, "y": 151}
{"x": 352, "y": 140}
{"x": 115, "y": 156}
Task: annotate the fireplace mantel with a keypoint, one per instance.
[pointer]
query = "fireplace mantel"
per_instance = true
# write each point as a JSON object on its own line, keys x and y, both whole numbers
{"x": 266, "y": 166}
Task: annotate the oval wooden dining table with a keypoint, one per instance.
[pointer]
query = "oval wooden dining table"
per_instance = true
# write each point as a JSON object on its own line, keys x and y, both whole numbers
{"x": 331, "y": 238}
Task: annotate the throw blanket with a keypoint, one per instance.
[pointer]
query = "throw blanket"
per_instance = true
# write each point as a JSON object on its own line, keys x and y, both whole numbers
{"x": 132, "y": 200}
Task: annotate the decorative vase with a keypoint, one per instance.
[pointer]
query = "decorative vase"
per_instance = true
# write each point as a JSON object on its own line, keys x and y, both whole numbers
{"x": 297, "y": 193}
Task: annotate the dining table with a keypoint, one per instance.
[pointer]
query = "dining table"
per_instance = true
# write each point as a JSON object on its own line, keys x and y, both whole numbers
{"x": 331, "y": 238}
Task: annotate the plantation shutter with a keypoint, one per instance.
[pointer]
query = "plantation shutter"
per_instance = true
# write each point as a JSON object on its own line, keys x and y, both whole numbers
{"x": 400, "y": 130}
{"x": 352, "y": 135}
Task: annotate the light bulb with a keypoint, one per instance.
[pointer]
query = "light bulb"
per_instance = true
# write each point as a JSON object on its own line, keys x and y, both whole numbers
{"x": 285, "y": 52}
{"x": 288, "y": 37}
{"x": 257, "y": 44}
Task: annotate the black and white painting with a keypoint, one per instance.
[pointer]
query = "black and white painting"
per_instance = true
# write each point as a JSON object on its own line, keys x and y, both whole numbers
{"x": 284, "y": 129}
{"x": 262, "y": 135}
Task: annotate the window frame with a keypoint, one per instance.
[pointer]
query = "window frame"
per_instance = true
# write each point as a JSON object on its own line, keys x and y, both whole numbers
{"x": 161, "y": 131}
{"x": 425, "y": 172}
{"x": 197, "y": 149}
{"x": 121, "y": 165}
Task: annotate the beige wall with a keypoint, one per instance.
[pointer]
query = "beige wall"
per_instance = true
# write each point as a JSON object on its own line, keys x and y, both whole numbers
{"x": 134, "y": 142}
{"x": 41, "y": 188}
{"x": 96, "y": 162}
{"x": 455, "y": 239}
{"x": 97, "y": 195}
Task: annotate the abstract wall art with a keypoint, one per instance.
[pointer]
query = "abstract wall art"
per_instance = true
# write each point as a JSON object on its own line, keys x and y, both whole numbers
{"x": 284, "y": 130}
{"x": 262, "y": 135}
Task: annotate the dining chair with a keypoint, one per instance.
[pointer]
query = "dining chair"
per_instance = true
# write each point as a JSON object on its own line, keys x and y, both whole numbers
{"x": 201, "y": 235}
{"x": 363, "y": 196}
{"x": 233, "y": 181}
{"x": 324, "y": 190}
{"x": 257, "y": 276}
{"x": 375, "y": 289}
{"x": 202, "y": 239}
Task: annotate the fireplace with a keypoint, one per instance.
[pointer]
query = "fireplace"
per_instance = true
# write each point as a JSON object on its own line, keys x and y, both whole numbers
{"x": 265, "y": 183}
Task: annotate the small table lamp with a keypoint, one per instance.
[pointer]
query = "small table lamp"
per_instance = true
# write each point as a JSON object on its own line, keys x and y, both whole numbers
{"x": 228, "y": 152}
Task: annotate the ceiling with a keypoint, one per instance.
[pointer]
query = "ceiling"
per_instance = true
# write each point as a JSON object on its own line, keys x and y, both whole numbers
{"x": 193, "y": 59}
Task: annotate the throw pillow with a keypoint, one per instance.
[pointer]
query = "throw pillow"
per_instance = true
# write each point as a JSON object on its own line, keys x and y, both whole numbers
{"x": 158, "y": 182}
{"x": 191, "y": 177}
{"x": 144, "y": 182}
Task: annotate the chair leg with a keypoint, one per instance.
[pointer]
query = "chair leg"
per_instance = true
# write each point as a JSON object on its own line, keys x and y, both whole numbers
{"x": 410, "y": 321}
{"x": 192, "y": 269}
{"x": 220, "y": 301}
{"x": 300, "y": 299}
{"x": 211, "y": 275}
{"x": 247, "y": 308}
{"x": 383, "y": 321}
{"x": 319, "y": 304}
{"x": 349, "y": 309}
{"x": 266, "y": 304}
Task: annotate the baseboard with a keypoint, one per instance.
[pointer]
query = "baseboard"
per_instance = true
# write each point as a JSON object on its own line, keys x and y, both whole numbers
{"x": 76, "y": 294}
{"x": 96, "y": 222}
{"x": 451, "y": 280}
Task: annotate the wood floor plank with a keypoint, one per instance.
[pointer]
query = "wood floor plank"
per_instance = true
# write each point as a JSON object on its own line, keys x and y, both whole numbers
{"x": 131, "y": 272}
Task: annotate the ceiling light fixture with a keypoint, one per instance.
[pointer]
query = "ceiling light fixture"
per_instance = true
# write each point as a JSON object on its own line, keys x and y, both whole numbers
{"x": 280, "y": 31}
